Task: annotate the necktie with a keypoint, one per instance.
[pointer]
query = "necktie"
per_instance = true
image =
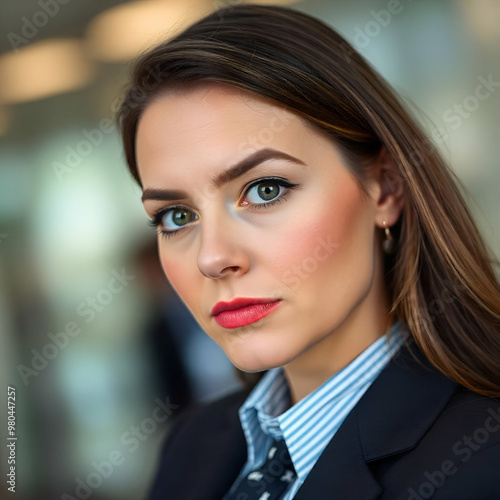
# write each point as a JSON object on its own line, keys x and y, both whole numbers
{"x": 270, "y": 480}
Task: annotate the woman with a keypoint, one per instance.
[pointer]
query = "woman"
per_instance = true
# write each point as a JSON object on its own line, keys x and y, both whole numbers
{"x": 316, "y": 234}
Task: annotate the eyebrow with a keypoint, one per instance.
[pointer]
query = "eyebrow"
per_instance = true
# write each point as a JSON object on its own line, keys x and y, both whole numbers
{"x": 225, "y": 177}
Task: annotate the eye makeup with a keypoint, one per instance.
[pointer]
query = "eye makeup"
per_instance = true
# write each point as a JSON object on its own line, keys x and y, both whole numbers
{"x": 158, "y": 219}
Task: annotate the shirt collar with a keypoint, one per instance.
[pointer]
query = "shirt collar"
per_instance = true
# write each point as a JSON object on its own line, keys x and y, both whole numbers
{"x": 266, "y": 413}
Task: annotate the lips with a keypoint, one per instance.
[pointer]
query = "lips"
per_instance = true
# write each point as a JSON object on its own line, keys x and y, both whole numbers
{"x": 243, "y": 311}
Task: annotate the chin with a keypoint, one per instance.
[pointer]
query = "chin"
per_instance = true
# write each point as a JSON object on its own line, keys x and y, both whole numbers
{"x": 252, "y": 361}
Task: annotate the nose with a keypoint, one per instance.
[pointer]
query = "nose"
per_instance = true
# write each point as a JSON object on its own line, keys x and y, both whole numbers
{"x": 222, "y": 252}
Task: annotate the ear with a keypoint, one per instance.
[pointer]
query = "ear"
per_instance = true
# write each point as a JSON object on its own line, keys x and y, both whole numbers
{"x": 389, "y": 192}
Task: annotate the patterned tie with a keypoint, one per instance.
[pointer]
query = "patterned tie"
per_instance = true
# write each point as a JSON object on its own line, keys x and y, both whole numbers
{"x": 270, "y": 480}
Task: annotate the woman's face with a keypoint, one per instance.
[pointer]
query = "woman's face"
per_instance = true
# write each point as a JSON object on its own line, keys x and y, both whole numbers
{"x": 255, "y": 204}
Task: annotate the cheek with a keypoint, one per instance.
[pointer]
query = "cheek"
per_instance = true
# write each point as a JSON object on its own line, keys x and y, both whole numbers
{"x": 326, "y": 235}
{"x": 351, "y": 224}
{"x": 178, "y": 274}
{"x": 346, "y": 275}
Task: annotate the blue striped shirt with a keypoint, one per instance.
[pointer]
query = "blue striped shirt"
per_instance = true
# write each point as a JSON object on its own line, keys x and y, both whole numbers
{"x": 309, "y": 425}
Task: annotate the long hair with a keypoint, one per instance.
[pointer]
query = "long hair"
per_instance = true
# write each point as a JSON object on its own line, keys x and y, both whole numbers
{"x": 440, "y": 278}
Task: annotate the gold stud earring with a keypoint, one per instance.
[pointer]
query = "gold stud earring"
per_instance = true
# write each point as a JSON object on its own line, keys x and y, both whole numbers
{"x": 388, "y": 243}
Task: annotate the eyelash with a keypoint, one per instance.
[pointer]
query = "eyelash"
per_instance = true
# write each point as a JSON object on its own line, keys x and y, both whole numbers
{"x": 155, "y": 222}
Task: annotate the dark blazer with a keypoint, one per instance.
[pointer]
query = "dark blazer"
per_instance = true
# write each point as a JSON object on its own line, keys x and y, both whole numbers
{"x": 415, "y": 434}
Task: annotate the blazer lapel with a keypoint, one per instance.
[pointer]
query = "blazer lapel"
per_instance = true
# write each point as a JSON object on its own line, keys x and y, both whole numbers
{"x": 341, "y": 471}
{"x": 391, "y": 417}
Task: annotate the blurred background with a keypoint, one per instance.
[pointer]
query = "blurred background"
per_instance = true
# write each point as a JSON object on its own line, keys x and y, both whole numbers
{"x": 100, "y": 351}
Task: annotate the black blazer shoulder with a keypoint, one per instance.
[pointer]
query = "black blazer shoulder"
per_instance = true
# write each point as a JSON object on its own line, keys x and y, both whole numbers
{"x": 414, "y": 435}
{"x": 203, "y": 452}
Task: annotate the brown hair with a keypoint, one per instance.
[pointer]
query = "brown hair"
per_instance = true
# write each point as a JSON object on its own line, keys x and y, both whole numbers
{"x": 441, "y": 279}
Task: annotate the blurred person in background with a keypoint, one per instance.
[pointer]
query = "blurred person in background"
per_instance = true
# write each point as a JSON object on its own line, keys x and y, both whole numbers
{"x": 317, "y": 236}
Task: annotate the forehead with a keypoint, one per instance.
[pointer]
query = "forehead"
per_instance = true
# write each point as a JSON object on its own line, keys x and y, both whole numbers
{"x": 222, "y": 122}
{"x": 210, "y": 102}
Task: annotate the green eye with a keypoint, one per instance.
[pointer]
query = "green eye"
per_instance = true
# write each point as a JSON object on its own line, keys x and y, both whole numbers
{"x": 264, "y": 191}
{"x": 176, "y": 217}
{"x": 172, "y": 220}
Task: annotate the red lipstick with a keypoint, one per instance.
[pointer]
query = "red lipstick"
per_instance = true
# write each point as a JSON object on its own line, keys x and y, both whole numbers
{"x": 242, "y": 311}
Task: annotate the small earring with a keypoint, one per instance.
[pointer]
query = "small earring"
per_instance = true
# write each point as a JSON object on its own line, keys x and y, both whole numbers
{"x": 388, "y": 243}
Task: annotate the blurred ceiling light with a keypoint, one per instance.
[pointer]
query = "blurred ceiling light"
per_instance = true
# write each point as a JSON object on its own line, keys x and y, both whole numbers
{"x": 123, "y": 32}
{"x": 483, "y": 19}
{"x": 43, "y": 69}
